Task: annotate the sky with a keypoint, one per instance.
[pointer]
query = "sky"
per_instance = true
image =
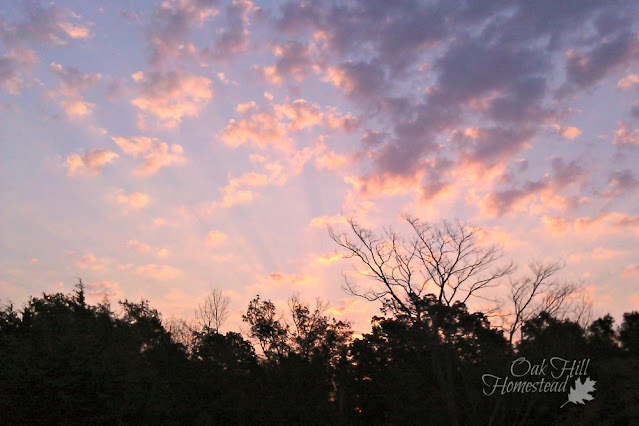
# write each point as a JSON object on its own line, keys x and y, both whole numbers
{"x": 160, "y": 149}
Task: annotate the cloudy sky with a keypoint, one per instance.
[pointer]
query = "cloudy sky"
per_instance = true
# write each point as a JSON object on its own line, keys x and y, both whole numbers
{"x": 158, "y": 149}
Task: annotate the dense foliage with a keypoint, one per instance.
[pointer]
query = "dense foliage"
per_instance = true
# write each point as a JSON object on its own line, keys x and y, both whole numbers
{"x": 65, "y": 361}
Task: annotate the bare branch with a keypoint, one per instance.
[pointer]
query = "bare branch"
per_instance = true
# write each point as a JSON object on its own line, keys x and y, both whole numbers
{"x": 540, "y": 292}
{"x": 212, "y": 314}
{"x": 447, "y": 258}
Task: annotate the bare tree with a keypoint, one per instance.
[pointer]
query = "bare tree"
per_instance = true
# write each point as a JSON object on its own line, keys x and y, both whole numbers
{"x": 212, "y": 314}
{"x": 182, "y": 332}
{"x": 443, "y": 259}
{"x": 579, "y": 307}
{"x": 540, "y": 292}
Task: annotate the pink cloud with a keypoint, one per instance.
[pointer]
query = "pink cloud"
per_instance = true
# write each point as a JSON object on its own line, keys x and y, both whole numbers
{"x": 602, "y": 253}
{"x": 344, "y": 122}
{"x": 169, "y": 97}
{"x": 630, "y": 271}
{"x": 272, "y": 126}
{"x": 568, "y": 132}
{"x": 159, "y": 222}
{"x": 340, "y": 77}
{"x": 608, "y": 223}
{"x": 142, "y": 247}
{"x": 13, "y": 66}
{"x": 233, "y": 197}
{"x": 625, "y": 135}
{"x": 323, "y": 221}
{"x": 157, "y": 272}
{"x": 302, "y": 114}
{"x": 246, "y": 107}
{"x": 89, "y": 261}
{"x": 327, "y": 258}
{"x": 75, "y": 31}
{"x": 138, "y": 246}
{"x": 279, "y": 278}
{"x": 68, "y": 94}
{"x": 134, "y": 200}
{"x": 556, "y": 224}
{"x": 155, "y": 154}
{"x": 86, "y": 260}
{"x": 262, "y": 128}
{"x": 235, "y": 192}
{"x": 349, "y": 306}
{"x": 332, "y": 161}
{"x": 89, "y": 164}
{"x": 77, "y": 107}
{"x": 239, "y": 189}
{"x": 386, "y": 184}
{"x": 628, "y": 82}
{"x": 215, "y": 238}
{"x": 283, "y": 283}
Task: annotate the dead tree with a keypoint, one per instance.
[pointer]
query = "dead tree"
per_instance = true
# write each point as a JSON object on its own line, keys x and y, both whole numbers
{"x": 214, "y": 311}
{"x": 541, "y": 292}
{"x": 443, "y": 259}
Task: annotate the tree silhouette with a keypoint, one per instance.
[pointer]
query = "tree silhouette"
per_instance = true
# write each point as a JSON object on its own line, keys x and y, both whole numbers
{"x": 269, "y": 331}
{"x": 441, "y": 259}
{"x": 214, "y": 311}
{"x": 66, "y": 361}
{"x": 629, "y": 332}
{"x": 541, "y": 292}
{"x": 406, "y": 370}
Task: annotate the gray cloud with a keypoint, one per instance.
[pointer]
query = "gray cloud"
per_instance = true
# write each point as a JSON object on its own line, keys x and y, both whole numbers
{"x": 470, "y": 69}
{"x": 585, "y": 69}
{"x": 72, "y": 80}
{"x": 496, "y": 63}
{"x": 294, "y": 60}
{"x": 566, "y": 174}
{"x": 550, "y": 23}
{"x": 169, "y": 32}
{"x": 373, "y": 138}
{"x": 621, "y": 182}
{"x": 502, "y": 202}
{"x": 563, "y": 175}
{"x": 488, "y": 147}
{"x": 419, "y": 71}
{"x": 235, "y": 37}
{"x": 39, "y": 25}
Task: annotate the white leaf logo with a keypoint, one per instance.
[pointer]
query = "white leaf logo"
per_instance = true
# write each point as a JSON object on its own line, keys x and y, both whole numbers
{"x": 581, "y": 391}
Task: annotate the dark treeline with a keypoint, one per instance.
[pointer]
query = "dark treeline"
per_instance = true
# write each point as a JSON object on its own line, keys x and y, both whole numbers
{"x": 65, "y": 361}
{"x": 428, "y": 361}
